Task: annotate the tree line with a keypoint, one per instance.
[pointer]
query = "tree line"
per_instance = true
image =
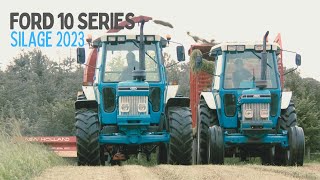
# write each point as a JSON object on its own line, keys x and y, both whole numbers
{"x": 39, "y": 94}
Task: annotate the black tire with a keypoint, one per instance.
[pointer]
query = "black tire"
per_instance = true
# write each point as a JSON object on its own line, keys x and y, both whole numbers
{"x": 205, "y": 118}
{"x": 301, "y": 146}
{"x": 287, "y": 120}
{"x": 215, "y": 145}
{"x": 288, "y": 117}
{"x": 162, "y": 157}
{"x": 102, "y": 156}
{"x": 180, "y": 128}
{"x": 194, "y": 151}
{"x": 87, "y": 132}
{"x": 294, "y": 155}
{"x": 296, "y": 146}
{"x": 280, "y": 157}
{"x": 267, "y": 156}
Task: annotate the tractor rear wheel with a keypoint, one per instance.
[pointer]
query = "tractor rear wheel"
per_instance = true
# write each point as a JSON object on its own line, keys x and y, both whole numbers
{"x": 87, "y": 132}
{"x": 288, "y": 117}
{"x": 180, "y": 128}
{"x": 215, "y": 145}
{"x": 205, "y": 119}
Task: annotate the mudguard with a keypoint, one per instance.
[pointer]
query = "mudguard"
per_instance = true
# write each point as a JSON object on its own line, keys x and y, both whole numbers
{"x": 208, "y": 97}
{"x": 86, "y": 99}
{"x": 88, "y": 104}
{"x": 285, "y": 99}
{"x": 89, "y": 92}
{"x": 178, "y": 101}
{"x": 171, "y": 91}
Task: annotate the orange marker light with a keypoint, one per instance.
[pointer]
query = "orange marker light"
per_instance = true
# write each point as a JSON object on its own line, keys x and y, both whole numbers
{"x": 168, "y": 37}
{"x": 89, "y": 38}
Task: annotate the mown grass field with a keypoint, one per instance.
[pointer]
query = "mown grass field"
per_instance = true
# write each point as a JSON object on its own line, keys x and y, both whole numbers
{"x": 24, "y": 160}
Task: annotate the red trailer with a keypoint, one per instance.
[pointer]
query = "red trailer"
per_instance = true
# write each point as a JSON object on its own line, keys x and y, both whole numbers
{"x": 199, "y": 81}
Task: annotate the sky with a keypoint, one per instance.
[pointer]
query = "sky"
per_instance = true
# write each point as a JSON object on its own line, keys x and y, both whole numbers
{"x": 224, "y": 20}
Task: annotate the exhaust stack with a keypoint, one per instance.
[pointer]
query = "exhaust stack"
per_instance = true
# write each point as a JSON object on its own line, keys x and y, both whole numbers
{"x": 264, "y": 58}
{"x": 140, "y": 74}
{"x": 262, "y": 83}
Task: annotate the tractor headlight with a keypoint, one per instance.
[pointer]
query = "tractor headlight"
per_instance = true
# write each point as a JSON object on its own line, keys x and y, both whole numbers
{"x": 232, "y": 48}
{"x": 248, "y": 114}
{"x": 264, "y": 113}
{"x": 121, "y": 38}
{"x": 142, "y": 107}
{"x": 149, "y": 38}
{"x": 125, "y": 107}
{"x": 112, "y": 38}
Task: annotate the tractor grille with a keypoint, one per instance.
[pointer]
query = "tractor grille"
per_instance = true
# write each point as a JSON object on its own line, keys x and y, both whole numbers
{"x": 133, "y": 102}
{"x": 256, "y": 109}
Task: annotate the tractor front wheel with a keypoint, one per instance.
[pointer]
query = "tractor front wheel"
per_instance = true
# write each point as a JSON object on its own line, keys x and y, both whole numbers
{"x": 162, "y": 153}
{"x": 180, "y": 128}
{"x": 87, "y": 132}
{"x": 205, "y": 118}
{"x": 295, "y": 153}
{"x": 267, "y": 156}
{"x": 215, "y": 145}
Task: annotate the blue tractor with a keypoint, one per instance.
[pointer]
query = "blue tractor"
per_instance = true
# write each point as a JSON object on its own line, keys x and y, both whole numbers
{"x": 247, "y": 113}
{"x": 130, "y": 107}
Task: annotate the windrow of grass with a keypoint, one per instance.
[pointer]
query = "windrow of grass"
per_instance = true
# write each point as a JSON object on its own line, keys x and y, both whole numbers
{"x": 23, "y": 160}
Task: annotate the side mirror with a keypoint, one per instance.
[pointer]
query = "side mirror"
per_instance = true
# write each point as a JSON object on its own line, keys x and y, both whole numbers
{"x": 81, "y": 55}
{"x": 180, "y": 53}
{"x": 298, "y": 59}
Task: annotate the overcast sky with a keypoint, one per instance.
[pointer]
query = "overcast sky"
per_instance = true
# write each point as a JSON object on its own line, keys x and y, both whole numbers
{"x": 224, "y": 20}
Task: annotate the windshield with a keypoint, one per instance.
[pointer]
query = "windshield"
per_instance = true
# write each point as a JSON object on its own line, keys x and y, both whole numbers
{"x": 122, "y": 59}
{"x": 243, "y": 68}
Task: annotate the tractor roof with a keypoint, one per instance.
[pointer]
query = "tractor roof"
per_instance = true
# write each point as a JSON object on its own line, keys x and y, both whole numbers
{"x": 108, "y": 37}
{"x": 243, "y": 45}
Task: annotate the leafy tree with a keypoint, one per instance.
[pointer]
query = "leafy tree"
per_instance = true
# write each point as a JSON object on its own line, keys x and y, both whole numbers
{"x": 178, "y": 73}
{"x": 39, "y": 94}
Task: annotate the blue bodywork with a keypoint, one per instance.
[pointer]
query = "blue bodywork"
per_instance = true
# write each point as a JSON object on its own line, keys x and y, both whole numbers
{"x": 132, "y": 130}
{"x": 238, "y": 132}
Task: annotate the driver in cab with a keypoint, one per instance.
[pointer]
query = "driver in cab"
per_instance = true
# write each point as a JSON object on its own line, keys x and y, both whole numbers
{"x": 241, "y": 73}
{"x": 126, "y": 74}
